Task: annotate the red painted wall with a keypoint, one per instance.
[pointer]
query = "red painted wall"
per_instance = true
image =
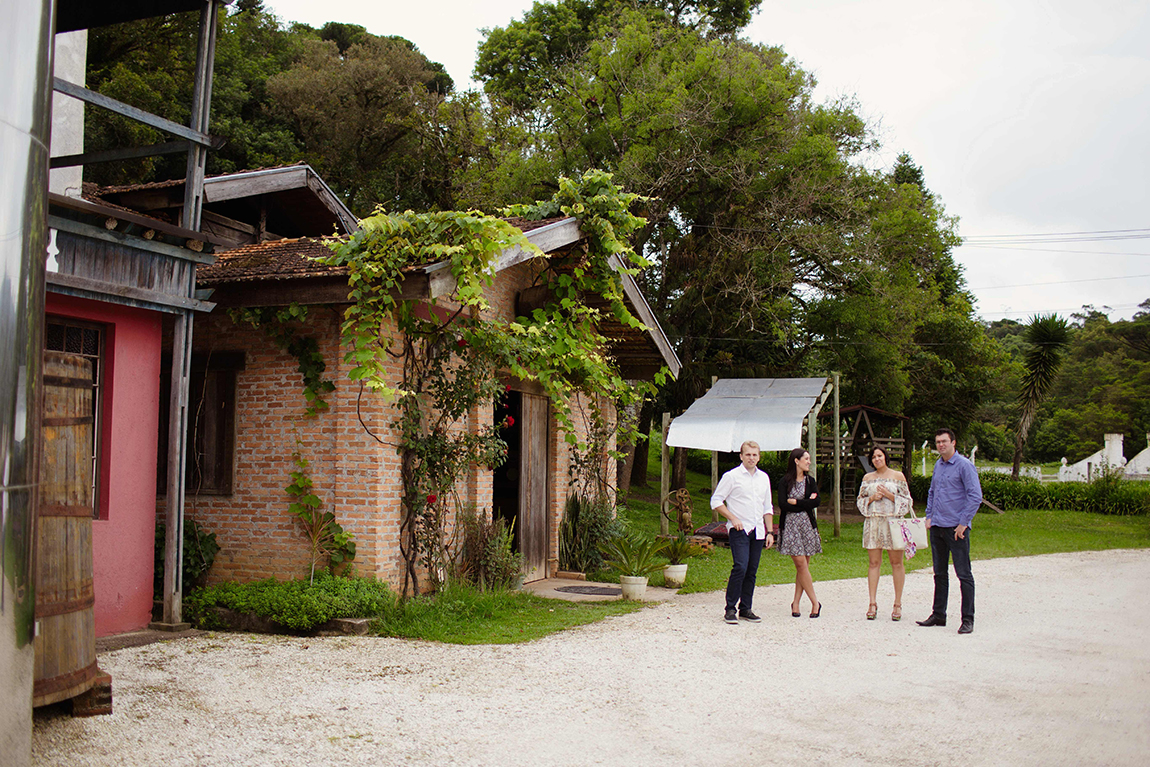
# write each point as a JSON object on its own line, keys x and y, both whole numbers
{"x": 123, "y": 538}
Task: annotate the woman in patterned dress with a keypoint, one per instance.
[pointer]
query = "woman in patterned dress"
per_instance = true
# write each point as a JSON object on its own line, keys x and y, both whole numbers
{"x": 884, "y": 495}
{"x": 798, "y": 532}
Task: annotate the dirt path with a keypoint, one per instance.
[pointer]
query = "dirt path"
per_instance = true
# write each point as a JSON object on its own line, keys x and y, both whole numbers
{"x": 1057, "y": 672}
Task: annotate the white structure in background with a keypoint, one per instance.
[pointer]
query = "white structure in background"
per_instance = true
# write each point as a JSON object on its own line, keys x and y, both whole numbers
{"x": 1108, "y": 458}
{"x": 1138, "y": 467}
{"x": 1034, "y": 472}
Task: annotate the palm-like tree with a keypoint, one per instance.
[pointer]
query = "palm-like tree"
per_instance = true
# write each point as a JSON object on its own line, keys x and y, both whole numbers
{"x": 1047, "y": 336}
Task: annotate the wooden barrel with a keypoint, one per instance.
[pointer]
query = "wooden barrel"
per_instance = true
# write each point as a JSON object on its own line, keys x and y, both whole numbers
{"x": 65, "y": 645}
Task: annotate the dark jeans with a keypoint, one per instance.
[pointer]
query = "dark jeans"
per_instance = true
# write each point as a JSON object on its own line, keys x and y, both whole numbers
{"x": 745, "y": 554}
{"x": 942, "y": 547}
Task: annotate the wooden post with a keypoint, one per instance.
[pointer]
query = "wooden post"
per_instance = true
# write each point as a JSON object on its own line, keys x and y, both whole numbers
{"x": 182, "y": 338}
{"x": 201, "y": 112}
{"x": 715, "y": 466}
{"x": 838, "y": 491}
{"x": 665, "y": 477}
{"x": 174, "y": 511}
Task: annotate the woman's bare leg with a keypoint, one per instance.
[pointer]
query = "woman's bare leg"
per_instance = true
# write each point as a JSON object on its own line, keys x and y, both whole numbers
{"x": 803, "y": 581}
{"x": 898, "y": 572}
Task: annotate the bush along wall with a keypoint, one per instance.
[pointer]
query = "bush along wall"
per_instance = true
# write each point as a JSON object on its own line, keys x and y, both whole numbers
{"x": 1106, "y": 495}
{"x": 294, "y": 605}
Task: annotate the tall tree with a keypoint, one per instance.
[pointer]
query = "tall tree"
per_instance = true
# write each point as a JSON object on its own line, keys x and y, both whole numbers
{"x": 771, "y": 240}
{"x": 1047, "y": 336}
{"x": 367, "y": 121}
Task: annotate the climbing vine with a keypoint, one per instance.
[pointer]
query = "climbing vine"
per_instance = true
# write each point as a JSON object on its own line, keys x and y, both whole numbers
{"x": 276, "y": 323}
{"x": 325, "y": 535}
{"x": 452, "y": 354}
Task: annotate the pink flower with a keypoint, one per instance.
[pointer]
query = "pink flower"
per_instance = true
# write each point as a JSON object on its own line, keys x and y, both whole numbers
{"x": 507, "y": 388}
{"x": 431, "y": 498}
{"x": 510, "y": 421}
{"x": 461, "y": 342}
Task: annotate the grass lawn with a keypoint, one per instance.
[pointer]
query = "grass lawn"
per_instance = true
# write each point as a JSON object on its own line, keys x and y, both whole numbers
{"x": 1015, "y": 534}
{"x": 464, "y": 615}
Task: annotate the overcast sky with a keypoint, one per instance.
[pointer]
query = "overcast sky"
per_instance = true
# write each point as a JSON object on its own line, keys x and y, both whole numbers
{"x": 1030, "y": 119}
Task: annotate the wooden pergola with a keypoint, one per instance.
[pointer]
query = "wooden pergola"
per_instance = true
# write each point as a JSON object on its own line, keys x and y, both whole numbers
{"x": 893, "y": 435}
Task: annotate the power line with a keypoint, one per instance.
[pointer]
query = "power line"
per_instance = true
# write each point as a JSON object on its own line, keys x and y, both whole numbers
{"x": 1054, "y": 250}
{"x": 1061, "y": 234}
{"x": 1064, "y": 282}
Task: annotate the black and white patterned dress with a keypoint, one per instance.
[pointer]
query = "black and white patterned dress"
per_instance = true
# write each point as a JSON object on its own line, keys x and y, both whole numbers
{"x": 799, "y": 539}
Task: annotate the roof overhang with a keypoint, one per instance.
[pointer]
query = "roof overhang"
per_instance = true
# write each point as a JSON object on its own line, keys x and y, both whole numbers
{"x": 769, "y": 411}
{"x": 85, "y": 14}
{"x": 556, "y": 236}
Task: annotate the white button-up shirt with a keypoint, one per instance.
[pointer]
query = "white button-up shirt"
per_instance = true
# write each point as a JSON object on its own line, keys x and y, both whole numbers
{"x": 747, "y": 496}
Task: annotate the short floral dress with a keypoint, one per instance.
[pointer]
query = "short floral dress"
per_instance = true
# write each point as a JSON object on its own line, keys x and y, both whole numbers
{"x": 799, "y": 539}
{"x": 876, "y": 530}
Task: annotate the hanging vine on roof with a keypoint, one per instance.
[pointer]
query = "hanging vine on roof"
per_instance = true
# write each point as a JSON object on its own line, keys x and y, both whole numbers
{"x": 451, "y": 355}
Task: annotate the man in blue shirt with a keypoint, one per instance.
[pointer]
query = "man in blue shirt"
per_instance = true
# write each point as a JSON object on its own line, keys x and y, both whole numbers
{"x": 954, "y": 497}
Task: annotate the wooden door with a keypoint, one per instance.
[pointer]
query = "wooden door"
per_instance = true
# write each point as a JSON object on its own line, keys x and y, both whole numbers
{"x": 65, "y": 646}
{"x": 534, "y": 467}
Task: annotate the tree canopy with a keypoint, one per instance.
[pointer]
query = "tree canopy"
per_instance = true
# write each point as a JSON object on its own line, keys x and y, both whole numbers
{"x": 775, "y": 247}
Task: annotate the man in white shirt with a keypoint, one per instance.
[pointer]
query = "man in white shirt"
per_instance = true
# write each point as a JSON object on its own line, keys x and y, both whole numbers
{"x": 743, "y": 497}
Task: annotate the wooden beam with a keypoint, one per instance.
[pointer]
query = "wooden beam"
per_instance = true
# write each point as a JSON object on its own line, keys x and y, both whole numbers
{"x": 139, "y": 115}
{"x": 665, "y": 476}
{"x": 174, "y": 507}
{"x": 546, "y": 238}
{"x": 647, "y": 317}
{"x": 838, "y": 491}
{"x": 201, "y": 114}
{"x": 100, "y": 289}
{"x": 114, "y": 155}
{"x": 334, "y": 204}
{"x": 237, "y": 185}
{"x": 121, "y": 238}
{"x": 714, "y": 468}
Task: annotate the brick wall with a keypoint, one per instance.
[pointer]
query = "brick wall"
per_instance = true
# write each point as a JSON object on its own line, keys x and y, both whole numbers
{"x": 355, "y": 476}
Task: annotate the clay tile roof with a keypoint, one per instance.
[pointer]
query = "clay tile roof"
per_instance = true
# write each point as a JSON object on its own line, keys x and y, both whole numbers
{"x": 291, "y": 259}
{"x": 525, "y": 225}
{"x": 271, "y": 260}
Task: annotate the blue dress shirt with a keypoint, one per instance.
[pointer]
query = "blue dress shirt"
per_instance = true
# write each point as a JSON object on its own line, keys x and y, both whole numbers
{"x": 955, "y": 493}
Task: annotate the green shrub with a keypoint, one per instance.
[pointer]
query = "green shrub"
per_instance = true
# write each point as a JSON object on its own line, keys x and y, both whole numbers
{"x": 487, "y": 556}
{"x": 200, "y": 549}
{"x": 919, "y": 486}
{"x": 586, "y": 525}
{"x": 1109, "y": 494}
{"x": 297, "y": 605}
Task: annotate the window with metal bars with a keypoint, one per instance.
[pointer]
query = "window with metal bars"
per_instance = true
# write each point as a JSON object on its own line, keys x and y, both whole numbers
{"x": 73, "y": 405}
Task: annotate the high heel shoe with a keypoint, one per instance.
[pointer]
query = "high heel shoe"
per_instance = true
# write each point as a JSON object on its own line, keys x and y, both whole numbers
{"x": 817, "y": 612}
{"x": 872, "y": 612}
{"x": 896, "y": 613}
{"x": 795, "y": 611}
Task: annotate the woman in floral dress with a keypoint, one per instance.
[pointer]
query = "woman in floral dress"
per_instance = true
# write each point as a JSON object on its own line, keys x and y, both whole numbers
{"x": 883, "y": 495}
{"x": 798, "y": 533}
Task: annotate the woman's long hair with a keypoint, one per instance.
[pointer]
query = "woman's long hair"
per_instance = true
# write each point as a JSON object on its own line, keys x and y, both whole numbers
{"x": 792, "y": 475}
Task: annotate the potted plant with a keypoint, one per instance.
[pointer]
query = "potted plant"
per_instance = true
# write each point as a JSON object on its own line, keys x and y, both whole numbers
{"x": 677, "y": 551}
{"x": 634, "y": 558}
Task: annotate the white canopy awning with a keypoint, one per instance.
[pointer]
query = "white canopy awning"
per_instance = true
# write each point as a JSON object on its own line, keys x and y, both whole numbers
{"x": 769, "y": 411}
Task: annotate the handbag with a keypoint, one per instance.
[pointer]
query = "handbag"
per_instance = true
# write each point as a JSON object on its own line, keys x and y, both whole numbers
{"x": 909, "y": 533}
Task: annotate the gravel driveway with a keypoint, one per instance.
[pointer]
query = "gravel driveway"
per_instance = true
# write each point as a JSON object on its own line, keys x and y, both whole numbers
{"x": 1057, "y": 672}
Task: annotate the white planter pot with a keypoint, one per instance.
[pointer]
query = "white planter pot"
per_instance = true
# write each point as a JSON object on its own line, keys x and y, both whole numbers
{"x": 634, "y": 586}
{"x": 675, "y": 575}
